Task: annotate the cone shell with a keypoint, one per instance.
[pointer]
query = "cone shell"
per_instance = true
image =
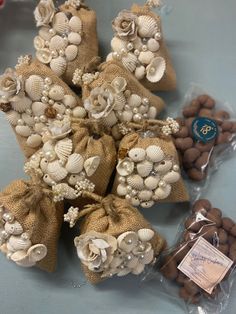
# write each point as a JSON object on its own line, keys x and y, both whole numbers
{"x": 34, "y": 87}
{"x": 58, "y": 65}
{"x": 145, "y": 235}
{"x": 57, "y": 43}
{"x": 137, "y": 154}
{"x": 127, "y": 241}
{"x": 155, "y": 153}
{"x": 118, "y": 44}
{"x": 23, "y": 130}
{"x": 79, "y": 112}
{"x": 146, "y": 57}
{"x": 130, "y": 62}
{"x": 121, "y": 189}
{"x": 74, "y": 38}
{"x": 163, "y": 192}
{"x": 56, "y": 92}
{"x": 147, "y": 204}
{"x": 91, "y": 165}
{"x": 151, "y": 182}
{"x": 144, "y": 168}
{"x": 71, "y": 52}
{"x": 153, "y": 45}
{"x": 38, "y": 108}
{"x": 164, "y": 166}
{"x": 125, "y": 167}
{"x": 14, "y": 228}
{"x": 18, "y": 243}
{"x": 134, "y": 100}
{"x": 140, "y": 72}
{"x": 135, "y": 181}
{"x": 21, "y": 259}
{"x": 22, "y": 104}
{"x": 63, "y": 149}
{"x": 75, "y": 163}
{"x": 37, "y": 252}
{"x": 56, "y": 171}
{"x": 60, "y": 23}
{"x": 147, "y": 26}
{"x": 156, "y": 69}
{"x": 28, "y": 119}
{"x": 75, "y": 24}
{"x": 110, "y": 120}
{"x": 171, "y": 177}
{"x": 69, "y": 101}
{"x": 34, "y": 140}
{"x": 145, "y": 195}
{"x": 12, "y": 117}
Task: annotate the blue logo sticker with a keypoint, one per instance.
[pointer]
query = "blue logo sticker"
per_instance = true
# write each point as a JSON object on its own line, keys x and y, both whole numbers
{"x": 204, "y": 129}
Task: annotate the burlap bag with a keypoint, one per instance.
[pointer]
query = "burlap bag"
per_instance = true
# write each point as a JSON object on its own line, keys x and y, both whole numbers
{"x": 40, "y": 217}
{"x": 114, "y": 216}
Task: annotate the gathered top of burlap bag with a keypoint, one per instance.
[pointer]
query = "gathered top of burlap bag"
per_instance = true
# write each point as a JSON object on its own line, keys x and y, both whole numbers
{"x": 32, "y": 206}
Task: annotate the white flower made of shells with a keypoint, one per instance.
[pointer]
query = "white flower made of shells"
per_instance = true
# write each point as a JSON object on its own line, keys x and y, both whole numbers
{"x": 15, "y": 243}
{"x": 107, "y": 255}
{"x": 114, "y": 103}
{"x": 146, "y": 175}
{"x": 35, "y": 103}
{"x": 136, "y": 44}
{"x": 59, "y": 37}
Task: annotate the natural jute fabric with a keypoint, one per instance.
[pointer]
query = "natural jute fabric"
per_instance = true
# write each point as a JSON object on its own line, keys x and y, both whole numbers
{"x": 115, "y": 216}
{"x": 39, "y": 216}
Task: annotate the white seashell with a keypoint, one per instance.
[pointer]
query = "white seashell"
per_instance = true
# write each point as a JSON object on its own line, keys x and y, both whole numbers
{"x": 137, "y": 154}
{"x": 37, "y": 252}
{"x": 63, "y": 149}
{"x": 130, "y": 62}
{"x": 110, "y": 120}
{"x": 135, "y": 201}
{"x": 123, "y": 272}
{"x": 132, "y": 264}
{"x": 34, "y": 86}
{"x": 140, "y": 72}
{"x": 127, "y": 241}
{"x": 121, "y": 189}
{"x": 148, "y": 257}
{"x": 28, "y": 119}
{"x": 118, "y": 44}
{"x": 74, "y": 178}
{"x": 120, "y": 102}
{"x": 145, "y": 235}
{"x": 145, "y": 57}
{"x": 145, "y": 195}
{"x": 119, "y": 84}
{"x": 155, "y": 153}
{"x": 134, "y": 100}
{"x": 44, "y": 55}
{"x": 23, "y": 130}
{"x": 91, "y": 165}
{"x": 59, "y": 108}
{"x": 71, "y": 52}
{"x": 151, "y": 182}
{"x": 126, "y": 116}
{"x": 39, "y": 127}
{"x": 138, "y": 44}
{"x": 22, "y": 104}
{"x": 45, "y": 34}
{"x": 109, "y": 57}
{"x": 56, "y": 171}
{"x": 153, "y": 45}
{"x": 19, "y": 243}
{"x": 38, "y": 108}
{"x": 79, "y": 112}
{"x": 171, "y": 177}
{"x": 61, "y": 23}
{"x": 12, "y": 117}
{"x": 48, "y": 180}
{"x": 74, "y": 38}
{"x": 69, "y": 101}
{"x": 138, "y": 269}
{"x": 34, "y": 140}
{"x": 125, "y": 167}
{"x": 56, "y": 92}
{"x": 164, "y": 166}
{"x": 39, "y": 42}
{"x": 147, "y": 204}
{"x": 156, "y": 69}
{"x": 21, "y": 259}
{"x": 152, "y": 112}
{"x": 135, "y": 181}
{"x": 10, "y": 248}
{"x": 57, "y": 43}
{"x": 75, "y": 24}
{"x": 144, "y": 168}
{"x": 163, "y": 192}
{"x": 44, "y": 164}
{"x": 143, "y": 109}
{"x": 147, "y": 26}
{"x": 58, "y": 65}
{"x": 14, "y": 228}
{"x": 75, "y": 163}
{"x": 70, "y": 192}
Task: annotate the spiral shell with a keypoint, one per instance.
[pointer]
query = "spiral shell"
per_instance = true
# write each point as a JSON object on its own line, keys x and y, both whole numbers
{"x": 118, "y": 44}
{"x": 14, "y": 228}
{"x": 56, "y": 92}
{"x": 135, "y": 181}
{"x": 130, "y": 62}
{"x": 155, "y": 153}
{"x": 23, "y": 130}
{"x": 153, "y": 45}
{"x": 19, "y": 243}
{"x": 163, "y": 192}
{"x": 12, "y": 117}
{"x": 22, "y": 104}
{"x": 134, "y": 100}
{"x": 91, "y": 165}
{"x": 28, "y": 119}
{"x": 79, "y": 112}
{"x": 37, "y": 252}
{"x": 75, "y": 163}
{"x": 56, "y": 171}
{"x": 137, "y": 154}
{"x": 144, "y": 168}
{"x": 61, "y": 23}
{"x": 121, "y": 189}
{"x": 34, "y": 140}
{"x": 63, "y": 149}
{"x": 156, "y": 69}
{"x": 151, "y": 182}
{"x": 34, "y": 86}
{"x": 57, "y": 43}
{"x": 45, "y": 34}
{"x": 75, "y": 24}
{"x": 44, "y": 55}
{"x": 145, "y": 57}
{"x": 147, "y": 26}
{"x": 74, "y": 38}
{"x": 145, "y": 195}
{"x": 171, "y": 177}
{"x": 145, "y": 235}
{"x": 58, "y": 65}
{"x": 71, "y": 52}
{"x": 69, "y": 101}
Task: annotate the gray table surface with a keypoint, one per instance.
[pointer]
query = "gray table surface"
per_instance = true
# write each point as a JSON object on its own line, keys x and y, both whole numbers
{"x": 202, "y": 41}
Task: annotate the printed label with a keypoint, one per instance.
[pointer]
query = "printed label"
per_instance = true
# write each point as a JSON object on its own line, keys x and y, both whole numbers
{"x": 204, "y": 129}
{"x": 205, "y": 265}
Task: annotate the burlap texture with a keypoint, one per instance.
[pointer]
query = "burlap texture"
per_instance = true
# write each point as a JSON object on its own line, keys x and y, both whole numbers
{"x": 168, "y": 81}
{"x": 88, "y": 48}
{"x": 178, "y": 192}
{"x": 111, "y": 70}
{"x": 127, "y": 218}
{"x": 38, "y": 215}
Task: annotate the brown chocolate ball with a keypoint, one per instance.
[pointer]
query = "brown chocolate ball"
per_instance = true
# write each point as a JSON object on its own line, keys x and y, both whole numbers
{"x": 205, "y": 113}
{"x": 226, "y": 126}
{"x": 209, "y": 104}
{"x": 209, "y": 232}
{"x": 221, "y": 115}
{"x": 184, "y": 143}
{"x": 214, "y": 218}
{"x": 203, "y": 99}
{"x": 190, "y": 111}
{"x": 181, "y": 278}
{"x": 183, "y": 132}
{"x": 222, "y": 235}
{"x": 191, "y": 154}
{"x": 223, "y": 248}
{"x": 202, "y": 205}
{"x": 216, "y": 212}
{"x": 205, "y": 147}
{"x": 233, "y": 231}
{"x": 192, "y": 225}
{"x": 191, "y": 287}
{"x": 227, "y": 224}
{"x": 169, "y": 269}
{"x": 202, "y": 161}
{"x": 181, "y": 253}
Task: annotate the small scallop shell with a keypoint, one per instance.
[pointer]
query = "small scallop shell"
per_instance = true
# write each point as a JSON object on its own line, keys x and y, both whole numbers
{"x": 44, "y": 165}
{"x": 164, "y": 166}
{"x": 135, "y": 201}
{"x": 153, "y": 45}
{"x": 138, "y": 269}
{"x": 45, "y": 34}
{"x": 38, "y": 108}
{"x": 155, "y": 153}
{"x": 110, "y": 120}
{"x": 145, "y": 195}
{"x": 63, "y": 149}
{"x": 118, "y": 44}
{"x": 57, "y": 43}
{"x": 131, "y": 264}
{"x": 126, "y": 116}
{"x": 135, "y": 181}
{"x": 125, "y": 167}
{"x": 144, "y": 168}
{"x": 147, "y": 204}
{"x": 121, "y": 189}
{"x": 21, "y": 259}
{"x": 59, "y": 108}
{"x": 152, "y": 112}
{"x": 14, "y": 228}
{"x": 79, "y": 112}
{"x": 140, "y": 72}
{"x": 127, "y": 241}
{"x": 91, "y": 165}
{"x": 130, "y": 62}
{"x": 34, "y": 140}
{"x": 71, "y": 52}
{"x": 145, "y": 235}
{"x": 138, "y": 44}
{"x": 39, "y": 42}
{"x": 143, "y": 109}
{"x": 12, "y": 117}
{"x": 156, "y": 69}
{"x": 44, "y": 55}
{"x": 23, "y": 130}
{"x": 75, "y": 163}
{"x": 171, "y": 177}
{"x": 58, "y": 65}
{"x": 146, "y": 57}
{"x": 147, "y": 26}
{"x": 119, "y": 84}
{"x": 19, "y": 243}
{"x": 37, "y": 252}
{"x": 74, "y": 38}
{"x": 48, "y": 180}
{"x": 151, "y": 182}
{"x": 34, "y": 86}
{"x": 39, "y": 127}
{"x": 75, "y": 24}
{"x": 56, "y": 92}
{"x": 22, "y": 104}
{"x": 60, "y": 23}
{"x": 163, "y": 192}
{"x": 137, "y": 154}
{"x": 56, "y": 171}
{"x": 148, "y": 256}
{"x": 28, "y": 119}
{"x": 120, "y": 102}
{"x": 134, "y": 100}
{"x": 69, "y": 101}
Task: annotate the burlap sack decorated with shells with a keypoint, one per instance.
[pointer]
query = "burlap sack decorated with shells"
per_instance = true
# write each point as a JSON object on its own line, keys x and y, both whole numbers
{"x": 113, "y": 95}
{"x": 67, "y": 37}
{"x": 139, "y": 45}
{"x": 115, "y": 239}
{"x": 33, "y": 99}
{"x": 30, "y": 225}
{"x": 148, "y": 168}
{"x": 80, "y": 161}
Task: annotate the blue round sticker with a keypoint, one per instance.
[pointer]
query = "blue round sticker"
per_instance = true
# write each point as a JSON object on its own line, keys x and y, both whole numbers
{"x": 204, "y": 129}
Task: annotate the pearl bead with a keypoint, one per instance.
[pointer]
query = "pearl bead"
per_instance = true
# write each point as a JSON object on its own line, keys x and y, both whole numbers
{"x": 20, "y": 122}
{"x": 144, "y": 48}
{"x": 68, "y": 111}
{"x": 176, "y": 168}
{"x": 51, "y": 102}
{"x": 122, "y": 266}
{"x": 157, "y": 36}
{"x": 130, "y": 46}
{"x": 48, "y": 80}
{"x": 145, "y": 101}
{"x": 36, "y": 119}
{"x": 45, "y": 93}
{"x": 51, "y": 31}
{"x": 129, "y": 257}
{"x": 133, "y": 192}
{"x": 61, "y": 53}
{"x": 4, "y": 234}
{"x": 59, "y": 116}
{"x": 136, "y": 52}
{"x": 142, "y": 256}
{"x": 116, "y": 55}
{"x": 129, "y": 188}
{"x": 145, "y": 116}
{"x": 135, "y": 110}
{"x": 44, "y": 99}
{"x": 137, "y": 117}
{"x": 123, "y": 51}
{"x": 121, "y": 180}
{"x": 43, "y": 119}
{"x": 128, "y": 197}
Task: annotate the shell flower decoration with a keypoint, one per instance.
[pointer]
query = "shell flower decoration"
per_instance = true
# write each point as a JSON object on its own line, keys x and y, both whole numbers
{"x": 105, "y": 254}
{"x": 59, "y": 37}
{"x": 15, "y": 243}
{"x": 136, "y": 44}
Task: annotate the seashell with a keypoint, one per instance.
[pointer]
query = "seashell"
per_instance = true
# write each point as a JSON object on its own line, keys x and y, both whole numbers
{"x": 39, "y": 42}
{"x": 145, "y": 57}
{"x": 75, "y": 163}
{"x": 37, "y": 252}
{"x": 145, "y": 195}
{"x": 127, "y": 241}
{"x": 152, "y": 112}
{"x": 164, "y": 166}
{"x": 69, "y": 192}
{"x": 119, "y": 84}
{"x": 124, "y": 272}
{"x": 147, "y": 204}
{"x": 118, "y": 44}
{"x": 23, "y": 130}
{"x": 45, "y": 34}
{"x": 120, "y": 102}
{"x": 21, "y": 259}
{"x": 163, "y": 192}
{"x": 154, "y": 153}
{"x": 69, "y": 101}
{"x": 126, "y": 116}
{"x": 74, "y": 178}
{"x": 19, "y": 243}
{"x": 56, "y": 171}
{"x": 28, "y": 119}
{"x": 151, "y": 182}
{"x": 71, "y": 52}
{"x": 140, "y": 72}
{"x": 74, "y": 38}
{"x": 125, "y": 167}
{"x": 144, "y": 168}
{"x": 22, "y": 104}
{"x": 34, "y": 140}
{"x": 135, "y": 181}
{"x": 143, "y": 109}
{"x": 145, "y": 235}
{"x": 153, "y": 45}
{"x": 58, "y": 65}
{"x": 147, "y": 26}
{"x": 59, "y": 108}
{"x": 60, "y": 23}
{"x": 156, "y": 69}
{"x": 135, "y": 201}
{"x": 137, "y": 43}
{"x": 75, "y": 24}
{"x": 56, "y": 92}
{"x": 91, "y": 165}
{"x": 110, "y": 120}
{"x": 12, "y": 117}
{"x": 44, "y": 164}
{"x": 57, "y": 43}
{"x": 130, "y": 62}
{"x": 79, "y": 112}
{"x": 148, "y": 256}
{"x": 14, "y": 228}
{"x": 44, "y": 55}
{"x": 134, "y": 101}
{"x": 34, "y": 86}
{"x": 39, "y": 127}
{"x": 38, "y": 108}
{"x": 48, "y": 180}
{"x": 121, "y": 189}
{"x": 63, "y": 149}
{"x": 10, "y": 248}
{"x": 109, "y": 57}
{"x": 137, "y": 154}
{"x": 171, "y": 177}
{"x": 131, "y": 264}
{"x": 138, "y": 269}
